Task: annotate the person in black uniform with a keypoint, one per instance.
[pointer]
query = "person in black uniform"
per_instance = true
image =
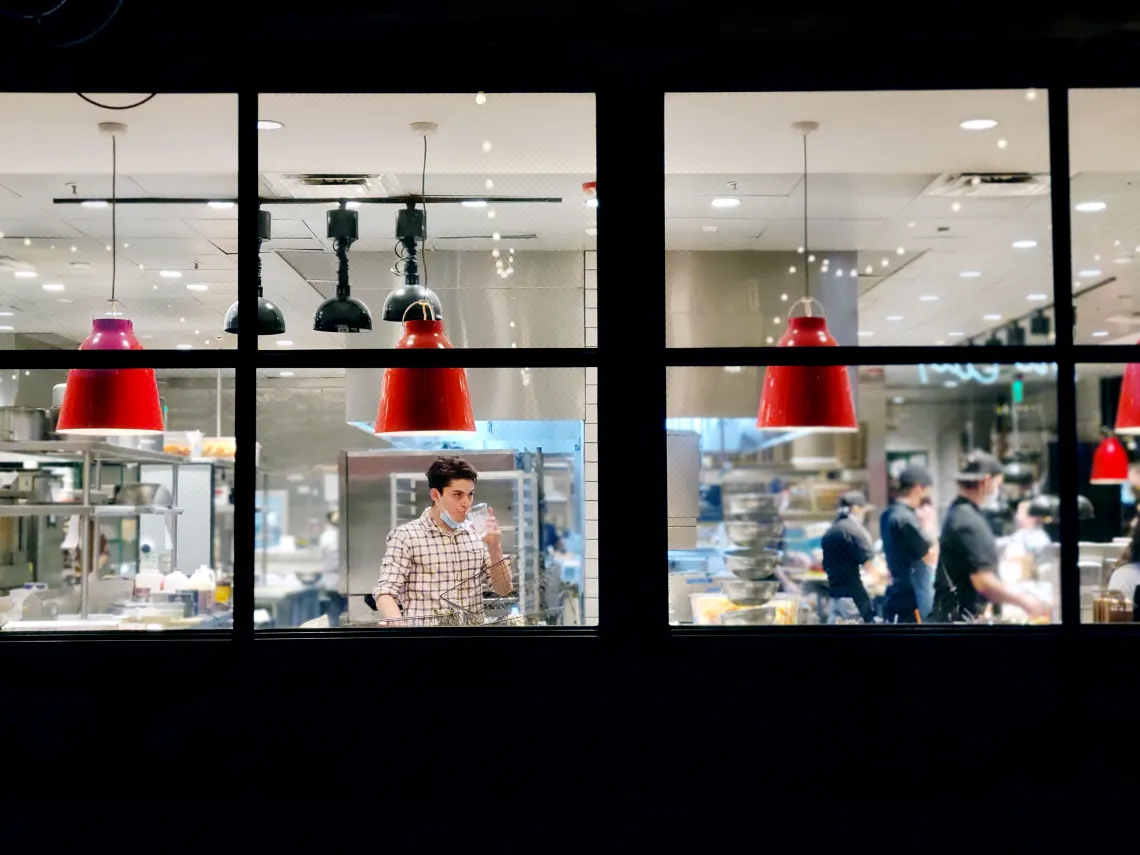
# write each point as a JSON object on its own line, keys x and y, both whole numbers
{"x": 846, "y": 548}
{"x": 967, "y": 577}
{"x": 908, "y": 550}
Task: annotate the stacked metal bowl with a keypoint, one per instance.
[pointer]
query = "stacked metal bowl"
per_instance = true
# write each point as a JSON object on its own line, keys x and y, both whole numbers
{"x": 753, "y": 526}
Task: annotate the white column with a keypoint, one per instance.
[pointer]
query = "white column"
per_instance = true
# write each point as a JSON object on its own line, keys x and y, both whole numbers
{"x": 590, "y": 535}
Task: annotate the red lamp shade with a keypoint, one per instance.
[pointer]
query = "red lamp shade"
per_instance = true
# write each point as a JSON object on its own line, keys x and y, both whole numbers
{"x": 1128, "y": 409}
{"x": 424, "y": 401}
{"x": 110, "y": 401}
{"x": 1110, "y": 462}
{"x": 807, "y": 397}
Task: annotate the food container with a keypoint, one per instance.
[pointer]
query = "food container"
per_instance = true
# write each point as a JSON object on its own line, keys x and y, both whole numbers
{"x": 1111, "y": 607}
{"x": 682, "y": 586}
{"x": 707, "y": 608}
{"x": 743, "y": 592}
{"x": 759, "y": 616}
{"x": 23, "y": 424}
{"x": 752, "y": 564}
{"x": 219, "y": 447}
{"x": 754, "y": 535}
{"x": 184, "y": 443}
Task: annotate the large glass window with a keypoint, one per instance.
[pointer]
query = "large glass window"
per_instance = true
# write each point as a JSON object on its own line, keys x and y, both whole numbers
{"x": 105, "y": 531}
{"x": 919, "y": 494}
{"x": 504, "y": 242}
{"x": 365, "y": 521}
{"x": 927, "y": 216}
{"x": 1104, "y": 137}
{"x": 166, "y": 251}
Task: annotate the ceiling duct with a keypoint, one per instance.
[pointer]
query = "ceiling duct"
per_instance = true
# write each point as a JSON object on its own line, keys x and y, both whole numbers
{"x": 303, "y": 185}
{"x": 992, "y": 185}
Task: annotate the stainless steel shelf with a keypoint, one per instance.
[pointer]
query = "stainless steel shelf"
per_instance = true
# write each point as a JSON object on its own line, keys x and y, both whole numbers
{"x": 75, "y": 449}
{"x": 68, "y": 509}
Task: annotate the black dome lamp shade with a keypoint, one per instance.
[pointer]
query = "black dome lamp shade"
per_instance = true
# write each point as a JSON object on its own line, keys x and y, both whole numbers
{"x": 342, "y": 313}
{"x": 270, "y": 321}
{"x": 412, "y": 301}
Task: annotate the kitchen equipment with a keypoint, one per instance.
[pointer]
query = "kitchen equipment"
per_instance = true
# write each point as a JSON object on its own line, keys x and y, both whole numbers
{"x": 743, "y": 592}
{"x": 145, "y": 495}
{"x": 23, "y": 424}
{"x": 752, "y": 564}
{"x": 751, "y": 505}
{"x": 175, "y": 580}
{"x": 752, "y": 534}
{"x": 1112, "y": 607}
{"x": 759, "y": 616}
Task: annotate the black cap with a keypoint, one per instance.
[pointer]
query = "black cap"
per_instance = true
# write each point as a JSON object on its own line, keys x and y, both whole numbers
{"x": 915, "y": 476}
{"x": 853, "y": 499}
{"x": 979, "y": 465}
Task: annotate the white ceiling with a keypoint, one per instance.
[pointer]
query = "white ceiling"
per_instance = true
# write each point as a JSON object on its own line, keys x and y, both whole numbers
{"x": 870, "y": 162}
{"x": 176, "y": 145}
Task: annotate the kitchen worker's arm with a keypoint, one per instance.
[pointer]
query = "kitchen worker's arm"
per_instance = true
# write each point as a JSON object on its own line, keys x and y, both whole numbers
{"x": 496, "y": 565}
{"x": 394, "y": 569}
{"x": 859, "y": 593}
{"x": 981, "y": 550}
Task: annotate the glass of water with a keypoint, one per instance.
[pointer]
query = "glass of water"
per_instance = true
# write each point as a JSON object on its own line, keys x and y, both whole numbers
{"x": 479, "y": 519}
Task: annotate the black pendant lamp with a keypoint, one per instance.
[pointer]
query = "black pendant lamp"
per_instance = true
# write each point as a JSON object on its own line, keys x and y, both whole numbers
{"x": 412, "y": 301}
{"x": 270, "y": 321}
{"x": 342, "y": 313}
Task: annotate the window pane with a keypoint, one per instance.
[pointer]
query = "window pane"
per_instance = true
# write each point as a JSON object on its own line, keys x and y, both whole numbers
{"x": 1104, "y": 138}
{"x": 1107, "y": 427}
{"x": 350, "y": 515}
{"x": 176, "y": 261}
{"x": 153, "y": 569}
{"x": 510, "y": 222}
{"x": 790, "y": 521}
{"x": 928, "y": 216}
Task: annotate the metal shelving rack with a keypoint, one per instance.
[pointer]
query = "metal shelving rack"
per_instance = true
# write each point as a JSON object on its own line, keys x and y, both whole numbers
{"x": 525, "y": 527}
{"x": 90, "y": 453}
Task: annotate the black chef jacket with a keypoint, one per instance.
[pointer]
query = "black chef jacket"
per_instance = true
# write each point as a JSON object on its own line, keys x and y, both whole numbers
{"x": 846, "y": 548}
{"x": 904, "y": 546}
{"x": 967, "y": 546}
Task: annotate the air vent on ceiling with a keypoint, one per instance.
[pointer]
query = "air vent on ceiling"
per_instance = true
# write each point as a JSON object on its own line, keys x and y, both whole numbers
{"x": 322, "y": 185}
{"x": 989, "y": 185}
{"x": 530, "y": 236}
{"x": 10, "y": 262}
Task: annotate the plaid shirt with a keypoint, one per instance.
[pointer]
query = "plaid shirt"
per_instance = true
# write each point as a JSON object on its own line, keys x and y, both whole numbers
{"x": 422, "y": 565}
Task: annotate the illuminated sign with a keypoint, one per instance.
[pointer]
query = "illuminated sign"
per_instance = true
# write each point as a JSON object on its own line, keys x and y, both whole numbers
{"x": 987, "y": 375}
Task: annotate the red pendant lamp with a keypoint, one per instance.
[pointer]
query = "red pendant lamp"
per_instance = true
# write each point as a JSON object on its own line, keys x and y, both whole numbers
{"x": 807, "y": 397}
{"x": 111, "y": 401}
{"x": 424, "y": 401}
{"x": 1110, "y": 462}
{"x": 1128, "y": 408}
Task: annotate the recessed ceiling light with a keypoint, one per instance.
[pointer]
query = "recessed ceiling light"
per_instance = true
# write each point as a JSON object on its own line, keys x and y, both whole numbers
{"x": 955, "y": 334}
{"x": 911, "y": 224}
{"x": 65, "y": 300}
{"x": 27, "y": 241}
{"x": 898, "y": 400}
{"x": 900, "y": 251}
{"x": 894, "y": 317}
{"x": 769, "y": 340}
{"x": 7, "y": 314}
{"x": 978, "y": 124}
{"x": 955, "y": 207}
{"x": 198, "y": 286}
{"x": 783, "y": 298}
{"x": 1091, "y": 207}
{"x": 865, "y": 333}
{"x": 869, "y": 269}
{"x": 928, "y": 298}
{"x": 1100, "y": 333}
{"x": 1024, "y": 244}
{"x": 474, "y": 203}
{"x": 1123, "y": 259}
{"x": 284, "y": 343}
{"x": 708, "y": 228}
{"x": 1090, "y": 273}
{"x": 287, "y": 374}
{"x": 6, "y": 329}
{"x": 53, "y": 286}
{"x": 593, "y": 230}
{"x": 25, "y": 274}
{"x": 183, "y": 347}
{"x": 488, "y": 184}
{"x": 940, "y": 342}
{"x": 170, "y": 274}
{"x": 269, "y": 125}
{"x": 486, "y": 145}
{"x": 725, "y": 203}
{"x": 1031, "y": 95}
{"x": 1036, "y": 297}
{"x": 991, "y": 317}
{"x": 1002, "y": 143}
{"x": 223, "y": 206}
{"x": 353, "y": 204}
{"x": 970, "y": 274}
{"x": 777, "y": 320}
{"x": 94, "y": 203}
{"x": 885, "y": 262}
{"x": 591, "y": 203}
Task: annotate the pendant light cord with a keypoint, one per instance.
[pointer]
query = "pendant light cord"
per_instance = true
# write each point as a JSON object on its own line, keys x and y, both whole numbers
{"x": 114, "y": 209}
{"x": 423, "y": 199}
{"x": 807, "y": 269}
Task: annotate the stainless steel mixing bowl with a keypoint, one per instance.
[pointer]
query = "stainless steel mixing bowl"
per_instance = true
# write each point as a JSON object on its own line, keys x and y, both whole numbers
{"x": 743, "y": 592}
{"x": 752, "y": 564}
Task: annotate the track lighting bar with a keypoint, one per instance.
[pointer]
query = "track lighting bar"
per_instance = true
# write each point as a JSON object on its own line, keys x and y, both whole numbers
{"x": 143, "y": 200}
{"x": 412, "y": 200}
